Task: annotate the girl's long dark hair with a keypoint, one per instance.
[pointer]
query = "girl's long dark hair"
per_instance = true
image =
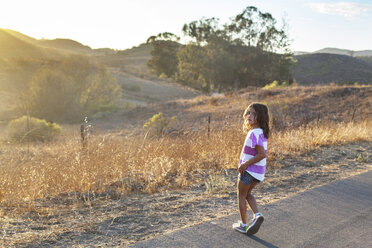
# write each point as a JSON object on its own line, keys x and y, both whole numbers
{"x": 262, "y": 114}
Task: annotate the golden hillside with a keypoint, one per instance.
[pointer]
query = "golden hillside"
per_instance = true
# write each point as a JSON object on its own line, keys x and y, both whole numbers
{"x": 290, "y": 106}
{"x": 319, "y": 134}
{"x": 12, "y": 47}
{"x": 21, "y": 56}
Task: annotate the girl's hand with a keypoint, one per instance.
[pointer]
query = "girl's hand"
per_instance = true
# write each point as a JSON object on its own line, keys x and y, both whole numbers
{"x": 242, "y": 168}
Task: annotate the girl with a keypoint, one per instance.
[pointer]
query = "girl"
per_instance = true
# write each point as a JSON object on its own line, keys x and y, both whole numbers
{"x": 252, "y": 165}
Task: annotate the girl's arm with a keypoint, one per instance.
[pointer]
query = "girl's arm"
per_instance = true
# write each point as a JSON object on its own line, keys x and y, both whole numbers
{"x": 258, "y": 157}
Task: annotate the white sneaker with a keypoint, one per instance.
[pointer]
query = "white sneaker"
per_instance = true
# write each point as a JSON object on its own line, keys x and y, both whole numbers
{"x": 240, "y": 227}
{"x": 255, "y": 225}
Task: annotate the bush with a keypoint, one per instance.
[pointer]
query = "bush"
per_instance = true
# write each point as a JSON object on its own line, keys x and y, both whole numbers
{"x": 158, "y": 124}
{"x": 32, "y": 129}
{"x": 163, "y": 76}
{"x": 275, "y": 84}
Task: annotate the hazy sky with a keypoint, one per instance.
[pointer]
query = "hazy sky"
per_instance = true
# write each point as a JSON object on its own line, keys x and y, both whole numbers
{"x": 122, "y": 24}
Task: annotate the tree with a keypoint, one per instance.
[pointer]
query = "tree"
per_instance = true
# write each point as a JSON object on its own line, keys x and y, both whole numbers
{"x": 254, "y": 28}
{"x": 203, "y": 31}
{"x": 213, "y": 63}
{"x": 52, "y": 94}
{"x": 101, "y": 90}
{"x": 191, "y": 67}
{"x": 70, "y": 89}
{"x": 164, "y": 54}
{"x": 250, "y": 50}
{"x": 261, "y": 48}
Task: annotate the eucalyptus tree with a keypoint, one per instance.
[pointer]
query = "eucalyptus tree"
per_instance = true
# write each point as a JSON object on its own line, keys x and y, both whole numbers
{"x": 216, "y": 66}
{"x": 249, "y": 50}
{"x": 164, "y": 54}
{"x": 267, "y": 46}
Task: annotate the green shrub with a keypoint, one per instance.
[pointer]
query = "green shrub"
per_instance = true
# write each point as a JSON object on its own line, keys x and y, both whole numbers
{"x": 362, "y": 158}
{"x": 275, "y": 84}
{"x": 158, "y": 125}
{"x": 32, "y": 129}
{"x": 163, "y": 76}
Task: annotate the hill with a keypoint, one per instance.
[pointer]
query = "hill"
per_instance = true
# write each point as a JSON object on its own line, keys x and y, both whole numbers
{"x": 131, "y": 60}
{"x": 14, "y": 47}
{"x": 290, "y": 107}
{"x": 311, "y": 68}
{"x": 323, "y": 68}
{"x": 50, "y": 48}
{"x": 65, "y": 44}
{"x": 333, "y": 50}
{"x": 21, "y": 56}
{"x": 345, "y": 52}
{"x": 366, "y": 58}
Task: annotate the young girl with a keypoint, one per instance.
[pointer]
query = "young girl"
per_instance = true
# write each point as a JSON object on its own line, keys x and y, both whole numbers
{"x": 252, "y": 165}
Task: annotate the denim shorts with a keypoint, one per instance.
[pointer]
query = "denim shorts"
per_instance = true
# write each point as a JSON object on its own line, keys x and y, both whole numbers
{"x": 246, "y": 178}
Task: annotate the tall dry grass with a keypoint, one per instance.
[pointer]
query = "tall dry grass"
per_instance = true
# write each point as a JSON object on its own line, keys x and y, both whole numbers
{"x": 307, "y": 138}
{"x": 125, "y": 164}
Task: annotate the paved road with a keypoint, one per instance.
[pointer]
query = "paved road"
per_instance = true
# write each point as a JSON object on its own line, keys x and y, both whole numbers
{"x": 335, "y": 215}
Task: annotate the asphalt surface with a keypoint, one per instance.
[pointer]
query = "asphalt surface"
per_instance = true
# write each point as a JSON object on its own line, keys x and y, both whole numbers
{"x": 335, "y": 215}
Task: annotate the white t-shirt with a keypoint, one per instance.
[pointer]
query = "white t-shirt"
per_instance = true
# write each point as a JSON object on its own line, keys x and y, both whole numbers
{"x": 253, "y": 138}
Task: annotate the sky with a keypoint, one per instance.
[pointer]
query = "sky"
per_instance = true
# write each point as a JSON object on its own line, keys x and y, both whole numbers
{"x": 122, "y": 24}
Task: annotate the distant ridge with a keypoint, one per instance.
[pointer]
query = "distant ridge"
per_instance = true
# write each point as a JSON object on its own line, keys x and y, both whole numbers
{"x": 299, "y": 53}
{"x": 135, "y": 57}
{"x": 14, "y": 44}
{"x": 338, "y": 51}
{"x": 324, "y": 68}
{"x": 20, "y": 35}
{"x": 335, "y": 51}
{"x": 11, "y": 46}
{"x": 320, "y": 67}
{"x": 65, "y": 44}
{"x": 21, "y": 56}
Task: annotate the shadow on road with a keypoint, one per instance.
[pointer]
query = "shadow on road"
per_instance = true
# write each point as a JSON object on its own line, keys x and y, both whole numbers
{"x": 263, "y": 242}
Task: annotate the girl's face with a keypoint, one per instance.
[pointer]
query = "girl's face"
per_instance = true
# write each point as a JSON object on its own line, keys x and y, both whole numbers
{"x": 252, "y": 117}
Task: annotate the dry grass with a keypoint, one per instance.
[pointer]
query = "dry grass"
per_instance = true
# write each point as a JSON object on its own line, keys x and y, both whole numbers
{"x": 62, "y": 195}
{"x": 114, "y": 164}
{"x": 308, "y": 138}
{"x": 306, "y": 118}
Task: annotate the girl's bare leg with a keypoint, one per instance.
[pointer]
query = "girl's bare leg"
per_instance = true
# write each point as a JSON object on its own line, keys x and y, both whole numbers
{"x": 250, "y": 198}
{"x": 242, "y": 196}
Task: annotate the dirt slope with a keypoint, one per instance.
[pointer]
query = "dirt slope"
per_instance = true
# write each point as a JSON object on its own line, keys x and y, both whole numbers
{"x": 292, "y": 106}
